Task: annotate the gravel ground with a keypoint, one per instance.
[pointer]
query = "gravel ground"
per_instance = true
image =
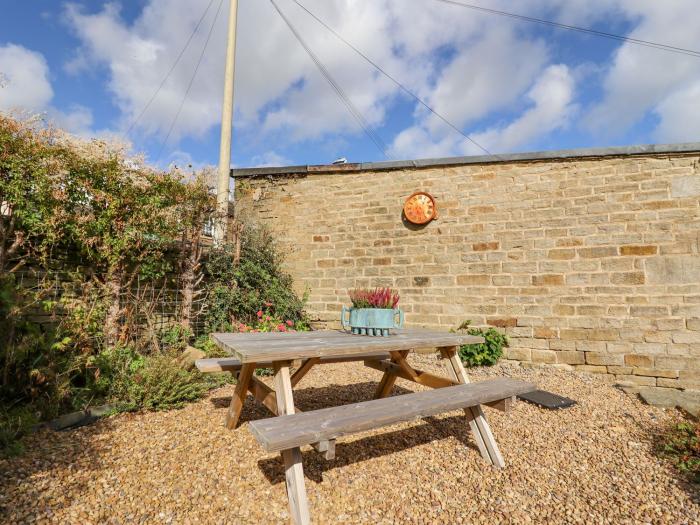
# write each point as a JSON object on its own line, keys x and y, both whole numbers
{"x": 593, "y": 463}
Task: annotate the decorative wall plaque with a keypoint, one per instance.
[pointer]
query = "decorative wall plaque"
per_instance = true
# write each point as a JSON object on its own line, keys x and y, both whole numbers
{"x": 420, "y": 208}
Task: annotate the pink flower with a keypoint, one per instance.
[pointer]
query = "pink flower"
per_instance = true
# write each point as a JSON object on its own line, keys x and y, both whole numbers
{"x": 268, "y": 318}
{"x": 282, "y": 328}
{"x": 289, "y": 322}
{"x": 260, "y": 313}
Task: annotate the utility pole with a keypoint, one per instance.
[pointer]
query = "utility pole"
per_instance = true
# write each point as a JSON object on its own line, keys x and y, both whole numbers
{"x": 222, "y": 185}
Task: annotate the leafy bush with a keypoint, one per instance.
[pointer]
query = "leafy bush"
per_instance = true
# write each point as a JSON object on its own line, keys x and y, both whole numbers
{"x": 682, "y": 446}
{"x": 482, "y": 354}
{"x": 131, "y": 381}
{"x": 240, "y": 284}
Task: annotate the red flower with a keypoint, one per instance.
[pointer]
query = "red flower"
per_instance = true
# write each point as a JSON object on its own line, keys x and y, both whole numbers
{"x": 289, "y": 322}
{"x": 260, "y": 313}
{"x": 282, "y": 328}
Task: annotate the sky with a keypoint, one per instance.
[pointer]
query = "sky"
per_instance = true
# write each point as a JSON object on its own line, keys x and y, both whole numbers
{"x": 92, "y": 67}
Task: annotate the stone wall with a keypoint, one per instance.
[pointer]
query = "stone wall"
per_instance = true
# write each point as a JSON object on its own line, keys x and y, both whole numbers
{"x": 587, "y": 261}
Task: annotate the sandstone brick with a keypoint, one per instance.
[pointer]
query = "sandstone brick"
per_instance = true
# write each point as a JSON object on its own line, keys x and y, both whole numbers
{"x": 673, "y": 363}
{"x": 693, "y": 324}
{"x": 568, "y": 334}
{"x": 561, "y": 254}
{"x": 471, "y": 279}
{"x": 648, "y": 311}
{"x": 503, "y": 323}
{"x": 321, "y": 238}
{"x": 679, "y": 269}
{"x": 592, "y": 369}
{"x": 595, "y": 358}
{"x": 638, "y": 380}
{"x": 541, "y": 332}
{"x": 381, "y": 261}
{"x": 518, "y": 354}
{"x": 563, "y": 309}
{"x": 544, "y": 356}
{"x": 548, "y": 280}
{"x": 597, "y": 252}
{"x": 636, "y": 360}
{"x": 651, "y": 372}
{"x": 686, "y": 337}
{"x": 325, "y": 263}
{"x": 627, "y": 278}
{"x": 485, "y": 246}
{"x": 673, "y": 324}
{"x": 620, "y": 370}
{"x": 481, "y": 209}
{"x": 604, "y": 334}
{"x": 639, "y": 250}
{"x": 571, "y": 358}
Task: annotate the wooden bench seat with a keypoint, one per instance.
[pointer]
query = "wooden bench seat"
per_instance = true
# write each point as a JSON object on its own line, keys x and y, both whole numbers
{"x": 230, "y": 364}
{"x": 284, "y": 432}
{"x": 287, "y": 433}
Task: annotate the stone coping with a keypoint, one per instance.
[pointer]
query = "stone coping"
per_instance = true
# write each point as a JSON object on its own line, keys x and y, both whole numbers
{"x": 617, "y": 151}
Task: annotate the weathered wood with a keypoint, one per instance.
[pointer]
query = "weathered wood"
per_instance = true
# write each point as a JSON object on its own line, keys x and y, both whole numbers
{"x": 286, "y": 432}
{"x": 293, "y": 467}
{"x": 389, "y": 378}
{"x": 421, "y": 377}
{"x": 239, "y": 395}
{"x": 330, "y": 343}
{"x": 304, "y": 369}
{"x": 478, "y": 423}
{"x": 231, "y": 364}
{"x": 433, "y": 381}
{"x": 263, "y": 394}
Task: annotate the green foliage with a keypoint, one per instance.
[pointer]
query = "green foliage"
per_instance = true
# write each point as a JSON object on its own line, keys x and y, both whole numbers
{"x": 238, "y": 288}
{"x": 84, "y": 214}
{"x": 132, "y": 381}
{"x": 14, "y": 423}
{"x": 682, "y": 446}
{"x": 483, "y": 354}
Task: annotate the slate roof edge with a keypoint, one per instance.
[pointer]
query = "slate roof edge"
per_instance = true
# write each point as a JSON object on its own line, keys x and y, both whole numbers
{"x": 616, "y": 151}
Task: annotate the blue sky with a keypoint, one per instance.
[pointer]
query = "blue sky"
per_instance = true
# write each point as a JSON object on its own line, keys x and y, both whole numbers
{"x": 91, "y": 67}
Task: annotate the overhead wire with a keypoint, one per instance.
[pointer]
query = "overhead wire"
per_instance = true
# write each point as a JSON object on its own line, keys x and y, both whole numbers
{"x": 192, "y": 78}
{"x": 603, "y": 34}
{"x": 374, "y": 137}
{"x": 170, "y": 71}
{"x": 393, "y": 79}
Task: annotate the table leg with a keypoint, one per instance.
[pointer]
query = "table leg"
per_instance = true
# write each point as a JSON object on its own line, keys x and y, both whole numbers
{"x": 239, "y": 395}
{"x": 389, "y": 378}
{"x": 477, "y": 420}
{"x": 304, "y": 369}
{"x": 293, "y": 467}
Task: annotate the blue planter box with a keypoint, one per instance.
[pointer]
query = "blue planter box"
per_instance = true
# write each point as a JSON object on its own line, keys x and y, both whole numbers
{"x": 371, "y": 321}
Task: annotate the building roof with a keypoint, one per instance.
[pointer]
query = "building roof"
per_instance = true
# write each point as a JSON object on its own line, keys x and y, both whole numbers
{"x": 618, "y": 151}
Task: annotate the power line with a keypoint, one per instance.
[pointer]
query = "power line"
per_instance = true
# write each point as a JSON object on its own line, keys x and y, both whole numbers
{"x": 170, "y": 71}
{"x": 394, "y": 80}
{"x": 612, "y": 36}
{"x": 194, "y": 74}
{"x": 375, "y": 138}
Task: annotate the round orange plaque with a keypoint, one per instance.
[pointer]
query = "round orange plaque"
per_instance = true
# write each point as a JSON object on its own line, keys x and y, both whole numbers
{"x": 420, "y": 208}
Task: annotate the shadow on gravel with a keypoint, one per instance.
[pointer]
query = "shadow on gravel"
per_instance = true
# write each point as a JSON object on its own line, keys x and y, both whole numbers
{"x": 381, "y": 444}
{"x": 69, "y": 455}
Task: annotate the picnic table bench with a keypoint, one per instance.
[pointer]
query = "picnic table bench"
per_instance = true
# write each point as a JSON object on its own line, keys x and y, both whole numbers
{"x": 320, "y": 428}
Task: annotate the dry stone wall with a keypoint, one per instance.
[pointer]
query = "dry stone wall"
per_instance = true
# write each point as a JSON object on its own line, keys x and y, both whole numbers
{"x": 592, "y": 262}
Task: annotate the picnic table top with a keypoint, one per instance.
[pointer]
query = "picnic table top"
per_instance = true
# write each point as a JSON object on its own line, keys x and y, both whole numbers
{"x": 283, "y": 346}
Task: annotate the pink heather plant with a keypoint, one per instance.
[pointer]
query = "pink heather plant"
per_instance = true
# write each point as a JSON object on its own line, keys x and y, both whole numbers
{"x": 377, "y": 298}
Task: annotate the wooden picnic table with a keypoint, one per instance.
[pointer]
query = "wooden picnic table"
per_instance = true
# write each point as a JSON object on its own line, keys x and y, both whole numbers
{"x": 304, "y": 350}
{"x": 282, "y": 350}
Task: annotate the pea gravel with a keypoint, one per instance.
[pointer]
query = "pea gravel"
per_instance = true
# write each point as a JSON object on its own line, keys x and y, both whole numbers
{"x": 593, "y": 463}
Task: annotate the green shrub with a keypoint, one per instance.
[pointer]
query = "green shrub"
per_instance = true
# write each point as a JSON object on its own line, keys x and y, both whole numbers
{"x": 482, "y": 354}
{"x": 14, "y": 423}
{"x": 161, "y": 384}
{"x": 237, "y": 290}
{"x": 682, "y": 446}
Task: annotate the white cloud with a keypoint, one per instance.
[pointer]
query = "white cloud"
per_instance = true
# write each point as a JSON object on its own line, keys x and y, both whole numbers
{"x": 26, "y": 88}
{"x": 641, "y": 79}
{"x": 470, "y": 66}
{"x": 26, "y": 84}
